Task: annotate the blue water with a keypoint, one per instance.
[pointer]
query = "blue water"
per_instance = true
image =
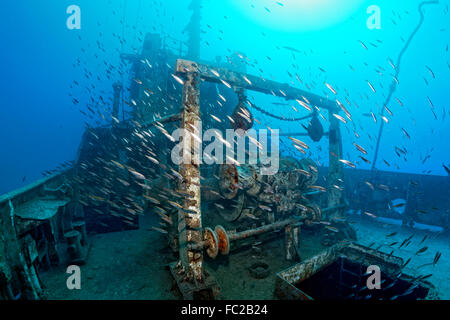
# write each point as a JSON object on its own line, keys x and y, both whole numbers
{"x": 40, "y": 127}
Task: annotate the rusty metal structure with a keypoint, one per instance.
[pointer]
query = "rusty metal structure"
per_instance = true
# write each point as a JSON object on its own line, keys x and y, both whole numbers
{"x": 55, "y": 209}
{"x": 35, "y": 222}
{"x": 192, "y": 238}
{"x": 48, "y": 221}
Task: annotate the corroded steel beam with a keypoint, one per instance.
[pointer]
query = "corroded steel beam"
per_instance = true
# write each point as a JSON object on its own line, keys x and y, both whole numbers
{"x": 335, "y": 167}
{"x": 246, "y": 81}
{"x": 190, "y": 219}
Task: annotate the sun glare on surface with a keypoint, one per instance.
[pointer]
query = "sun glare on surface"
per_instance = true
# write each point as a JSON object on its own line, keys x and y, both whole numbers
{"x": 298, "y": 15}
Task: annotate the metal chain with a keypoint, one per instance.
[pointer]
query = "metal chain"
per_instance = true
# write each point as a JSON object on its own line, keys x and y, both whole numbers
{"x": 277, "y": 117}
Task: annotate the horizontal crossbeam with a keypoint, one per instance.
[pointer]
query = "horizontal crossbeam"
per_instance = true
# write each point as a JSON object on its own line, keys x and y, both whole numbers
{"x": 249, "y": 82}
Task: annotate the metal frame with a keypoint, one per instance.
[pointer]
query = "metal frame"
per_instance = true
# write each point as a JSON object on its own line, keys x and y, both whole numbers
{"x": 190, "y": 224}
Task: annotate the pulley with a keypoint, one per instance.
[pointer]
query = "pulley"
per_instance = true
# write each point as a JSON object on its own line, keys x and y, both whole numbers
{"x": 241, "y": 118}
{"x": 315, "y": 128}
{"x": 224, "y": 241}
{"x": 212, "y": 244}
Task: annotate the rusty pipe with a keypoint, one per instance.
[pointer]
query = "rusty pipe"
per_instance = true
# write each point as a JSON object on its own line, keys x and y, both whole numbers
{"x": 247, "y": 233}
{"x": 264, "y": 229}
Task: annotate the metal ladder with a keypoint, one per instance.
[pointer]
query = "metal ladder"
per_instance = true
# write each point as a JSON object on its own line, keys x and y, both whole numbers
{"x": 356, "y": 275}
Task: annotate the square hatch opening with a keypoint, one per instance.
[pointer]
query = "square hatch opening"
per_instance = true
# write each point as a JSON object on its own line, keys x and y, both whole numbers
{"x": 340, "y": 273}
{"x": 347, "y": 280}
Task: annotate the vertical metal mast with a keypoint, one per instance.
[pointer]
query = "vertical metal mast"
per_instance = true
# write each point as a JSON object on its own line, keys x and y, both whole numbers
{"x": 193, "y": 29}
